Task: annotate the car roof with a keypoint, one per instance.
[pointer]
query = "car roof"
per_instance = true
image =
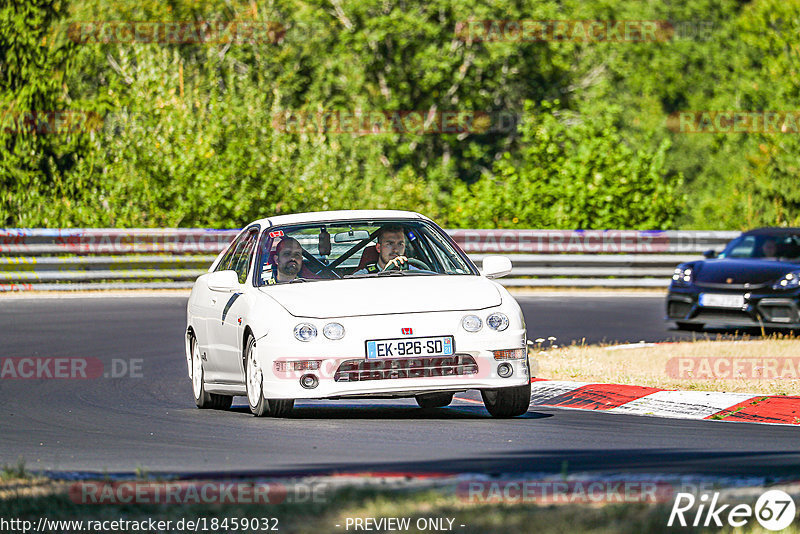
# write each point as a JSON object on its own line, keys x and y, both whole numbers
{"x": 773, "y": 230}
{"x": 317, "y": 216}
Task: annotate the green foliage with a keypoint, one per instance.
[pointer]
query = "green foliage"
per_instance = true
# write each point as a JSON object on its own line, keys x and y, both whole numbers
{"x": 13, "y": 472}
{"x": 33, "y": 66}
{"x": 575, "y": 171}
{"x": 188, "y": 135}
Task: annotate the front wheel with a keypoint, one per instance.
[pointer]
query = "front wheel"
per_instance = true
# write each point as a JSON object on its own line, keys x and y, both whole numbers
{"x": 255, "y": 391}
{"x": 689, "y": 327}
{"x": 507, "y": 402}
{"x": 434, "y": 400}
{"x": 203, "y": 399}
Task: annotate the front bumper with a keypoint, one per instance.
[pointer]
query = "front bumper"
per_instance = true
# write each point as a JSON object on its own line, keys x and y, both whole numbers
{"x": 767, "y": 309}
{"x": 342, "y": 377}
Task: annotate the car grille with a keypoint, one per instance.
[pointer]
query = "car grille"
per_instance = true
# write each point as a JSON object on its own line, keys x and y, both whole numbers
{"x": 721, "y": 315}
{"x": 732, "y": 287}
{"x": 394, "y": 368}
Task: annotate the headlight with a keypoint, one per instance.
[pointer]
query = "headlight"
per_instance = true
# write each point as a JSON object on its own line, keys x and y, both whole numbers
{"x": 333, "y": 331}
{"x": 497, "y": 321}
{"x": 471, "y": 323}
{"x": 790, "y": 281}
{"x": 305, "y": 332}
{"x": 682, "y": 275}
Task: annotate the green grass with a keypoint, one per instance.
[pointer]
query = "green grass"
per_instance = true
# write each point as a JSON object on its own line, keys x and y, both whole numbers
{"x": 17, "y": 471}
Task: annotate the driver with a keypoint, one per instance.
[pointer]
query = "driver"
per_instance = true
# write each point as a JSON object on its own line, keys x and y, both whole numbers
{"x": 391, "y": 249}
{"x": 289, "y": 260}
{"x": 769, "y": 249}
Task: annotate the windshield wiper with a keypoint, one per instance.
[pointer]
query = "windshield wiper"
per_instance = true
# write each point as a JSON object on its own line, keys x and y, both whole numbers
{"x": 392, "y": 272}
{"x": 395, "y": 272}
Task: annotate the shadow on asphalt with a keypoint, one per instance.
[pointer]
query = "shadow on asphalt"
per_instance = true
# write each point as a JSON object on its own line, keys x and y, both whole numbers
{"x": 714, "y": 333}
{"x": 620, "y": 463}
{"x": 336, "y": 410}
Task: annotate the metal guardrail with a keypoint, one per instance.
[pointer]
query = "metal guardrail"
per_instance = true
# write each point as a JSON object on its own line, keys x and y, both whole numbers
{"x": 72, "y": 259}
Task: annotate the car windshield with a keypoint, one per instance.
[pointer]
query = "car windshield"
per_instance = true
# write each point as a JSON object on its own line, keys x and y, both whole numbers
{"x": 766, "y": 247}
{"x": 350, "y": 249}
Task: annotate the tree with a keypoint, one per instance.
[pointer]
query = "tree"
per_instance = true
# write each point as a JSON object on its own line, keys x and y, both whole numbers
{"x": 41, "y": 135}
{"x": 574, "y": 171}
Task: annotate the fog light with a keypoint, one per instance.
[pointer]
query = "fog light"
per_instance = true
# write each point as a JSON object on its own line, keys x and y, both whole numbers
{"x": 504, "y": 370}
{"x": 509, "y": 354}
{"x": 307, "y": 365}
{"x": 309, "y": 381}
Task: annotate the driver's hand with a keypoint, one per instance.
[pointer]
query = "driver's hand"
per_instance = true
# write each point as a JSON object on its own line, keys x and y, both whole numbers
{"x": 399, "y": 262}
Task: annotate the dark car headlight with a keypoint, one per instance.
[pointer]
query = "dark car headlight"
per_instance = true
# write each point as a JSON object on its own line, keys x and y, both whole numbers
{"x": 790, "y": 281}
{"x": 682, "y": 275}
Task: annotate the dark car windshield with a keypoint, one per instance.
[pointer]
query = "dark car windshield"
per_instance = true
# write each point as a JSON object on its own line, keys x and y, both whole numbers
{"x": 346, "y": 249}
{"x": 766, "y": 247}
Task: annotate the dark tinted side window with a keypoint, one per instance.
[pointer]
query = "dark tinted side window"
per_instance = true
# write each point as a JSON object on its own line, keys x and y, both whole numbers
{"x": 240, "y": 262}
{"x": 225, "y": 262}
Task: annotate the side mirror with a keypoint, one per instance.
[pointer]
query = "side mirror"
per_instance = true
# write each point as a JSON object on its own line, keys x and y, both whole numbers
{"x": 223, "y": 281}
{"x": 710, "y": 253}
{"x": 496, "y": 266}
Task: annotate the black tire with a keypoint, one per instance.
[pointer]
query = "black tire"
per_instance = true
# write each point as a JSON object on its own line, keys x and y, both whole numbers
{"x": 507, "y": 402}
{"x": 689, "y": 327}
{"x": 434, "y": 400}
{"x": 280, "y": 407}
{"x": 261, "y": 406}
{"x": 203, "y": 399}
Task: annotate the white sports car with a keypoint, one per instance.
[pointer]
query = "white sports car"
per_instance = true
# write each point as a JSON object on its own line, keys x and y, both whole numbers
{"x": 353, "y": 304}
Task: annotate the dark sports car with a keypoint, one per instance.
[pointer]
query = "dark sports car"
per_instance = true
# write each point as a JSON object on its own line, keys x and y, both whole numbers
{"x": 755, "y": 281}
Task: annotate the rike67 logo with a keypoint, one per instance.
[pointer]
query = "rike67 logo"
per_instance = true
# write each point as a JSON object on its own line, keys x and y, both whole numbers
{"x": 774, "y": 510}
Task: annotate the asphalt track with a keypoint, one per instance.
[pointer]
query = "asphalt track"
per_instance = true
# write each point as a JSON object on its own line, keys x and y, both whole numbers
{"x": 119, "y": 425}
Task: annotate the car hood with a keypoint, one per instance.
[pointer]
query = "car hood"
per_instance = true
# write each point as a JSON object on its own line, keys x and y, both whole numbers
{"x": 741, "y": 271}
{"x": 372, "y": 296}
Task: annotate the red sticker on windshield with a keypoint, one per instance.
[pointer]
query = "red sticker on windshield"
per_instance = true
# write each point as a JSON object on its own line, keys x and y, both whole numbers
{"x": 277, "y": 233}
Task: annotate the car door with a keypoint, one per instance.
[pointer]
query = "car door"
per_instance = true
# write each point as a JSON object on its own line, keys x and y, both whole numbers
{"x": 210, "y": 304}
{"x": 228, "y": 325}
{"x": 203, "y": 307}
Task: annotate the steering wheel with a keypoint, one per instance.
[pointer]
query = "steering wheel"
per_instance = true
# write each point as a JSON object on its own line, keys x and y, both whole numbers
{"x": 410, "y": 261}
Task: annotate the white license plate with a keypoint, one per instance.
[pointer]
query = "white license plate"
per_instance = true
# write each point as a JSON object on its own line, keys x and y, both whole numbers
{"x": 715, "y": 300}
{"x": 410, "y": 347}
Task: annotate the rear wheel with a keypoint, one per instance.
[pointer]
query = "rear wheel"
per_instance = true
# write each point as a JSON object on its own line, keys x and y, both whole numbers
{"x": 203, "y": 399}
{"x": 254, "y": 381}
{"x": 434, "y": 400}
{"x": 507, "y": 402}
